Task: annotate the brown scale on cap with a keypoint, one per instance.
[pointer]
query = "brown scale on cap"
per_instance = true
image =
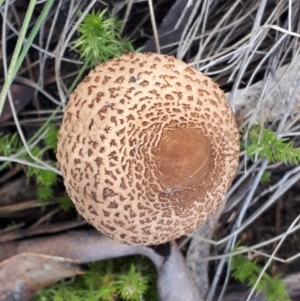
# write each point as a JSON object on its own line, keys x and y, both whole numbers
{"x": 148, "y": 147}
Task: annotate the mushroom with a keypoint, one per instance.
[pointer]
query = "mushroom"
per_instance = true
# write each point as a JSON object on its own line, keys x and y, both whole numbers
{"x": 148, "y": 147}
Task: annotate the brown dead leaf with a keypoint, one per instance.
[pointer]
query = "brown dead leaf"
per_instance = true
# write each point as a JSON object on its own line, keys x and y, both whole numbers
{"x": 17, "y": 191}
{"x": 21, "y": 95}
{"x": 21, "y": 276}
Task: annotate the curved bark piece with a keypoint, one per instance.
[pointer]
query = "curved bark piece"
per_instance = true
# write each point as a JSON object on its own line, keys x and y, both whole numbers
{"x": 174, "y": 281}
{"x": 281, "y": 96}
{"x": 84, "y": 246}
{"x": 200, "y": 249}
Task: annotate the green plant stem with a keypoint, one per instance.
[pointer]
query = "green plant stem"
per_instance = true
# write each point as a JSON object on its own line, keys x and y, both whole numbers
{"x": 44, "y": 126}
{"x": 79, "y": 76}
{"x": 32, "y": 35}
{"x": 36, "y": 135}
{"x": 17, "y": 50}
{"x": 18, "y": 57}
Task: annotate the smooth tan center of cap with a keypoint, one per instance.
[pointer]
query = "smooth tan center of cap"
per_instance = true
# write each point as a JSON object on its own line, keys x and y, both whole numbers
{"x": 183, "y": 156}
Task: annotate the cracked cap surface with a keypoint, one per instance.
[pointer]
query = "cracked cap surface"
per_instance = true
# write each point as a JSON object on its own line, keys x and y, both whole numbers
{"x": 148, "y": 147}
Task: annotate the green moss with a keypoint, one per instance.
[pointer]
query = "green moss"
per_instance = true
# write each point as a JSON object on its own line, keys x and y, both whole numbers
{"x": 247, "y": 272}
{"x": 124, "y": 279}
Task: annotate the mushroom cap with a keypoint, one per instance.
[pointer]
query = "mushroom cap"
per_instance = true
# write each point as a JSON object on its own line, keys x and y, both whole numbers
{"x": 148, "y": 147}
